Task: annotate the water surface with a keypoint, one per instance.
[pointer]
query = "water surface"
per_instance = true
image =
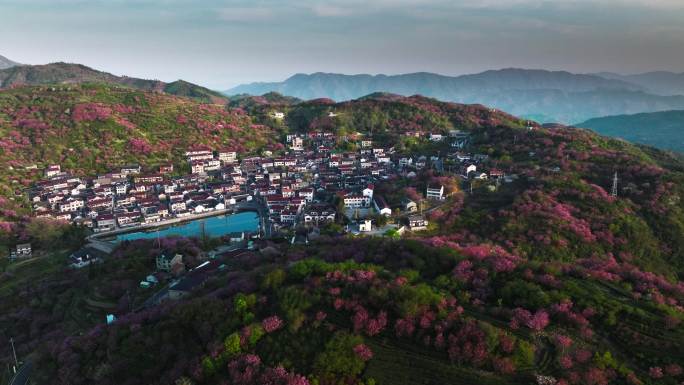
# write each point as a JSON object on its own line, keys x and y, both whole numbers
{"x": 213, "y": 226}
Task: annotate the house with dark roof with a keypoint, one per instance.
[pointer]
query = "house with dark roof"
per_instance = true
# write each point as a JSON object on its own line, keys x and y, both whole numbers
{"x": 84, "y": 257}
{"x": 381, "y": 206}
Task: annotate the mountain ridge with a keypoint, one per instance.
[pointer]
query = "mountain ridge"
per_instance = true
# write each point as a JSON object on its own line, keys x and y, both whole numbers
{"x": 7, "y": 63}
{"x": 470, "y": 80}
{"x": 664, "y": 83}
{"x": 71, "y": 73}
{"x": 562, "y": 96}
{"x": 662, "y": 129}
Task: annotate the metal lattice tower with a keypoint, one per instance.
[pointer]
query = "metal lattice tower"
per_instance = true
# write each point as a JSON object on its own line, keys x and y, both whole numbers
{"x": 614, "y": 190}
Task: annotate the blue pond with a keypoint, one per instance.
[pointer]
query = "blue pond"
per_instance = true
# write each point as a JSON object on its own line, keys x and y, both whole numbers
{"x": 213, "y": 226}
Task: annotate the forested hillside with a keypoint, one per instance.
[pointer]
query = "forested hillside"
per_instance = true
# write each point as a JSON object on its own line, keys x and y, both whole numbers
{"x": 546, "y": 279}
{"x": 664, "y": 130}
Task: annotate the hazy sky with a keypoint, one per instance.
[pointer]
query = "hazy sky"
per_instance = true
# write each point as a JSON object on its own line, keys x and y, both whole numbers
{"x": 222, "y": 43}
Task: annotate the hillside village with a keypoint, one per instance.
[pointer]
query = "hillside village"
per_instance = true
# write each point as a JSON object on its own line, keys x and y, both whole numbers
{"x": 307, "y": 185}
{"x": 503, "y": 220}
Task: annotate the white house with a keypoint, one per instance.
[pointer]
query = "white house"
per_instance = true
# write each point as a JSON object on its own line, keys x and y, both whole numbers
{"x": 435, "y": 192}
{"x": 53, "y": 170}
{"x": 83, "y": 258}
{"x": 21, "y": 251}
{"x": 297, "y": 144}
{"x": 409, "y": 205}
{"x": 227, "y": 156}
{"x": 355, "y": 201}
{"x": 368, "y": 191}
{"x": 417, "y": 223}
{"x": 470, "y": 168}
{"x": 365, "y": 226}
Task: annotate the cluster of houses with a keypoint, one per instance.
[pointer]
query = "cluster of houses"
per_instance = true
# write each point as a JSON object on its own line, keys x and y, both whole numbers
{"x": 295, "y": 188}
{"x": 129, "y": 197}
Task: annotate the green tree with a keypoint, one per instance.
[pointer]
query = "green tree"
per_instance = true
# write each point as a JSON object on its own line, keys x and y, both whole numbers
{"x": 338, "y": 359}
{"x": 274, "y": 279}
{"x": 232, "y": 344}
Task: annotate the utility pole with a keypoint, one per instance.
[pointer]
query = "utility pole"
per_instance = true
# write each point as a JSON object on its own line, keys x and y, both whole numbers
{"x": 14, "y": 353}
{"x": 614, "y": 190}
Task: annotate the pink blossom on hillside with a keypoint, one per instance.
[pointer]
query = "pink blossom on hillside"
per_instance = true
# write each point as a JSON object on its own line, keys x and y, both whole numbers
{"x": 538, "y": 321}
{"x": 363, "y": 352}
{"x": 566, "y": 362}
{"x": 88, "y": 112}
{"x": 563, "y": 341}
{"x": 359, "y": 318}
{"x": 506, "y": 343}
{"x": 655, "y": 372}
{"x": 139, "y": 146}
{"x": 596, "y": 376}
{"x": 503, "y": 365}
{"x": 404, "y": 327}
{"x": 272, "y": 324}
{"x": 321, "y": 315}
{"x": 582, "y": 355}
{"x": 673, "y": 370}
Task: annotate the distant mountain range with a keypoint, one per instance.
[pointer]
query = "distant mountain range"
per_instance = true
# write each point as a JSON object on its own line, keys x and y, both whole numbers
{"x": 659, "y": 129}
{"x": 64, "y": 73}
{"x": 546, "y": 96}
{"x": 644, "y": 108}
{"x": 658, "y": 82}
{"x": 6, "y": 63}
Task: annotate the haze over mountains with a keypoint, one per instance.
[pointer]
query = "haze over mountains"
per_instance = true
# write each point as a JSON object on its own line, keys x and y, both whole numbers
{"x": 546, "y": 96}
{"x": 657, "y": 82}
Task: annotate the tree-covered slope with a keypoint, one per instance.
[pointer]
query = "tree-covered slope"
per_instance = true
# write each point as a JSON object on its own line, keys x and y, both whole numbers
{"x": 61, "y": 73}
{"x": 93, "y": 128}
{"x": 545, "y": 96}
{"x": 658, "y": 129}
{"x": 546, "y": 278}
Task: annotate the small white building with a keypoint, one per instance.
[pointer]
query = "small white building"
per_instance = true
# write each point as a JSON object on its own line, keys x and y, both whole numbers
{"x": 53, "y": 170}
{"x": 435, "y": 192}
{"x": 365, "y": 226}
{"x": 368, "y": 192}
{"x": 21, "y": 251}
{"x": 409, "y": 205}
{"x": 417, "y": 223}
{"x": 83, "y": 258}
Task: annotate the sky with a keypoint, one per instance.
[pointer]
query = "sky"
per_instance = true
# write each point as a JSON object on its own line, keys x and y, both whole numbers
{"x": 223, "y": 43}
